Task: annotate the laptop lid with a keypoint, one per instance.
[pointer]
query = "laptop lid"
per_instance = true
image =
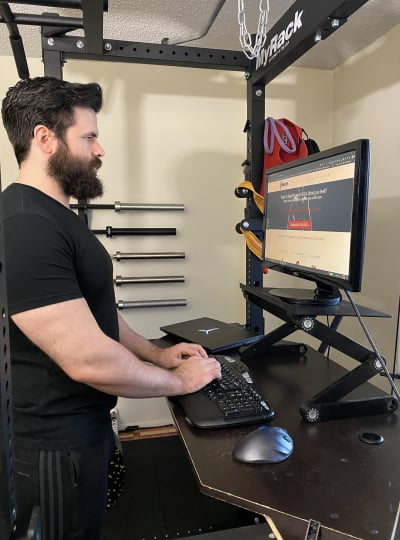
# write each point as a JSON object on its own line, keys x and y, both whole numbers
{"x": 215, "y": 336}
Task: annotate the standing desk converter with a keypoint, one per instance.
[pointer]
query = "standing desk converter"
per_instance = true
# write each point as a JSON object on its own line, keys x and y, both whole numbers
{"x": 351, "y": 487}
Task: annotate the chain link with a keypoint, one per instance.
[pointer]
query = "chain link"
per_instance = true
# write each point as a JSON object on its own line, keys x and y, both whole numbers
{"x": 250, "y": 50}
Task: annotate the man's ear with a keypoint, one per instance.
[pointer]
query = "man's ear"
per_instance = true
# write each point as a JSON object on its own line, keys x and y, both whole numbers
{"x": 45, "y": 139}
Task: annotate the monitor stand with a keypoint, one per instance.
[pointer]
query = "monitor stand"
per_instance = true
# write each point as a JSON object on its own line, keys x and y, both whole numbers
{"x": 325, "y": 405}
{"x": 321, "y": 296}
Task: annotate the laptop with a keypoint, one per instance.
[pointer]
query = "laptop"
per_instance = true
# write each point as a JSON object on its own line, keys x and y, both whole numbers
{"x": 215, "y": 336}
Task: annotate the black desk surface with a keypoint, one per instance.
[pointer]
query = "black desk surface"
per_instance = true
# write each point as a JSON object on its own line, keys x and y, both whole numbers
{"x": 250, "y": 532}
{"x": 351, "y": 487}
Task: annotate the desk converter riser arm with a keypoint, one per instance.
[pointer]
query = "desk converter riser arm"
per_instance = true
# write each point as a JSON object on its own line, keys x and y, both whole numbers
{"x": 322, "y": 332}
{"x": 326, "y": 405}
{"x": 349, "y": 382}
{"x": 338, "y": 341}
{"x": 334, "y": 326}
{"x": 265, "y": 343}
{"x": 318, "y": 412}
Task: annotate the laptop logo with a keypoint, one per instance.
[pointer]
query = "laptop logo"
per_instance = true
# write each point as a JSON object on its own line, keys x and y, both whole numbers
{"x": 208, "y": 330}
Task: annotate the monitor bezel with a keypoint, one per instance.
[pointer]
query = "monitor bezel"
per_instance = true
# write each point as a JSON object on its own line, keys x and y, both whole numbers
{"x": 359, "y": 218}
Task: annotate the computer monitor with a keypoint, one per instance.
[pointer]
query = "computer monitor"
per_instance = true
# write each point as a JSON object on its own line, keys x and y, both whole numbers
{"x": 315, "y": 219}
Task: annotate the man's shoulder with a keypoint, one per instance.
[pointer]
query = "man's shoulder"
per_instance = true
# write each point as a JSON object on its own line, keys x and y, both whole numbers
{"x": 20, "y": 199}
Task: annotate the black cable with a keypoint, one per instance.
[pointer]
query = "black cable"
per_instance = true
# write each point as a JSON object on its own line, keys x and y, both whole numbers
{"x": 396, "y": 343}
{"x": 379, "y": 356}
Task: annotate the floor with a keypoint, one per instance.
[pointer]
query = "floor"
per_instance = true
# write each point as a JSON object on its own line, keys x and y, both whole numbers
{"x": 161, "y": 498}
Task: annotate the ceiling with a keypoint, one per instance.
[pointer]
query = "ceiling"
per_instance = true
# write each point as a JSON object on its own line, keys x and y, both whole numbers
{"x": 151, "y": 21}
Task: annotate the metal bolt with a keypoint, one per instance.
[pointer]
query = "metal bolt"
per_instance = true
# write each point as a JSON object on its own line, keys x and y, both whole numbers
{"x": 378, "y": 364}
{"x": 307, "y": 324}
{"x": 259, "y": 93}
{"x": 80, "y": 44}
{"x": 245, "y": 224}
{"x": 335, "y": 23}
{"x": 317, "y": 37}
{"x": 50, "y": 41}
{"x": 312, "y": 415}
{"x": 107, "y": 46}
{"x": 247, "y": 75}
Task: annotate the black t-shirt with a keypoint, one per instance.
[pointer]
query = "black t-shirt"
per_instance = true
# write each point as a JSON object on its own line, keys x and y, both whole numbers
{"x": 50, "y": 257}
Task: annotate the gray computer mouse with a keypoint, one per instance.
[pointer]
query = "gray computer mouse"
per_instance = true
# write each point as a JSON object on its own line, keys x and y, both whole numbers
{"x": 267, "y": 444}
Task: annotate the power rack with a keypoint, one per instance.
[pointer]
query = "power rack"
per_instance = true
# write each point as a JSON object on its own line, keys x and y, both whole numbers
{"x": 304, "y": 24}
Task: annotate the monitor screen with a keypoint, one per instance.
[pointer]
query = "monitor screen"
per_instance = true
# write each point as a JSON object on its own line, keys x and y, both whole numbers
{"x": 315, "y": 219}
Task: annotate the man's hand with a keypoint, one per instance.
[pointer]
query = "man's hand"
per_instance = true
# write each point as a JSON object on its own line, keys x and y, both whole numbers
{"x": 196, "y": 372}
{"x": 174, "y": 356}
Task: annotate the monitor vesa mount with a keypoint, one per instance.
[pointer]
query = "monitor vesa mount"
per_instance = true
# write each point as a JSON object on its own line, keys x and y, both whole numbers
{"x": 327, "y": 404}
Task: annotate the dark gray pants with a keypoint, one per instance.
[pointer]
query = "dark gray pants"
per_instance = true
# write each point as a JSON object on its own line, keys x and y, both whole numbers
{"x": 70, "y": 487}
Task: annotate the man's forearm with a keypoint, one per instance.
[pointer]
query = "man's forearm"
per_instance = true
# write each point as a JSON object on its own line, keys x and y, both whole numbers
{"x": 68, "y": 333}
{"x": 136, "y": 343}
{"x": 127, "y": 376}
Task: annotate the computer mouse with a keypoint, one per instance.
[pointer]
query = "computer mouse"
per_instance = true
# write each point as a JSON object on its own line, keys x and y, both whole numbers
{"x": 267, "y": 444}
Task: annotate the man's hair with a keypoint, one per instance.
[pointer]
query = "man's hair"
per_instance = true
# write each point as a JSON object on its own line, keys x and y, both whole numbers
{"x": 47, "y": 101}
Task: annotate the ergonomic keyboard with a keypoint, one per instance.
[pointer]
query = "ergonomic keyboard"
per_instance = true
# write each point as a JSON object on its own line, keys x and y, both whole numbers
{"x": 232, "y": 400}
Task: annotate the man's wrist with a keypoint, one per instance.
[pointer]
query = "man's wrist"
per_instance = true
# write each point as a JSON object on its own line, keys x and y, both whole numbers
{"x": 155, "y": 355}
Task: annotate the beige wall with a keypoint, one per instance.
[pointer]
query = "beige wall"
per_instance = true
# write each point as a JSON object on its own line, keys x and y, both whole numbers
{"x": 174, "y": 135}
{"x": 365, "y": 105}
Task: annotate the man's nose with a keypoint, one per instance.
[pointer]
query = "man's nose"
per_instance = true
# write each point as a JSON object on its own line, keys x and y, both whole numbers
{"x": 98, "y": 150}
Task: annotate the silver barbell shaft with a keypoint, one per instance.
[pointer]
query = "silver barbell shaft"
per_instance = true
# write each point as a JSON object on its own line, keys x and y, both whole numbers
{"x": 123, "y": 304}
{"x": 120, "y": 280}
{"x": 120, "y": 207}
{"x": 119, "y": 256}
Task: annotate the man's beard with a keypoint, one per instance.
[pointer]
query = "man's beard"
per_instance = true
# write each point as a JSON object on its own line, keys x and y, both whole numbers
{"x": 77, "y": 176}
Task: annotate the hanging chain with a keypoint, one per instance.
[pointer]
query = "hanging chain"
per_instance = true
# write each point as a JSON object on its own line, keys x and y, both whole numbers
{"x": 250, "y": 50}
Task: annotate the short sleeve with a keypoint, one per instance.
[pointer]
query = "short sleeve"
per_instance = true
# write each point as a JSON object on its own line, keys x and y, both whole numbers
{"x": 39, "y": 263}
